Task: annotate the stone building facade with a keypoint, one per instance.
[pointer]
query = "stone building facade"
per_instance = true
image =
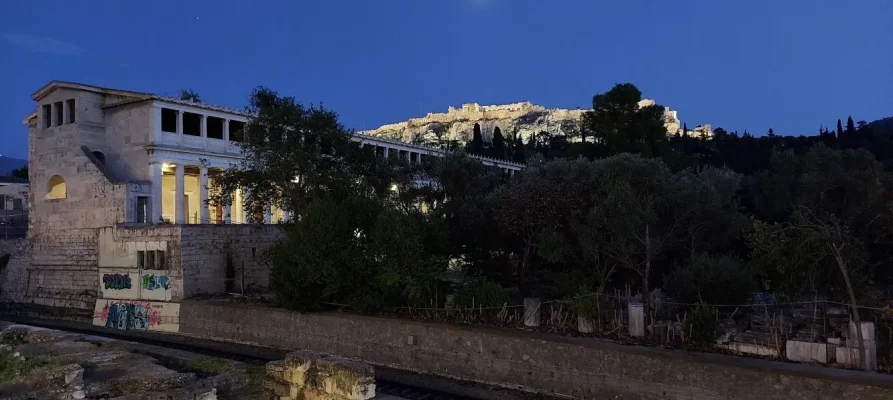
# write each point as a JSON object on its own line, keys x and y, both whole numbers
{"x": 120, "y": 230}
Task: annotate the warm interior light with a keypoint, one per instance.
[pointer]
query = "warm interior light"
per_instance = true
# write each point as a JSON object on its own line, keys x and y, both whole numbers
{"x": 394, "y": 187}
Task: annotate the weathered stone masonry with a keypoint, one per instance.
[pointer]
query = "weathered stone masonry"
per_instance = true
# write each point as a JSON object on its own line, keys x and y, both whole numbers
{"x": 582, "y": 368}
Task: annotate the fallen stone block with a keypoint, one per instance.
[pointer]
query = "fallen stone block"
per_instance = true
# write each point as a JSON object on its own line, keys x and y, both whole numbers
{"x": 849, "y": 356}
{"x": 280, "y": 388}
{"x": 806, "y": 351}
{"x": 347, "y": 379}
{"x": 750, "y": 348}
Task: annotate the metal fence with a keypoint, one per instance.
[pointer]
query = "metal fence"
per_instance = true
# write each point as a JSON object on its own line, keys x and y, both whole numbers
{"x": 13, "y": 223}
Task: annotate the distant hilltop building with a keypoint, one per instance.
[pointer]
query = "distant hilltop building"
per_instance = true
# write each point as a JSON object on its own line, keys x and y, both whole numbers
{"x": 525, "y": 119}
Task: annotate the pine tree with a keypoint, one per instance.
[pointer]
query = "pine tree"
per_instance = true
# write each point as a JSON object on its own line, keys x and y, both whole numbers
{"x": 684, "y": 130}
{"x": 497, "y": 150}
{"x": 477, "y": 141}
{"x": 839, "y": 129}
{"x": 850, "y": 126}
{"x": 771, "y": 133}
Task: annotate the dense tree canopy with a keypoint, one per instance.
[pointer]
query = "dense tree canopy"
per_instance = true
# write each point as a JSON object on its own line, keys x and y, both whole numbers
{"x": 708, "y": 220}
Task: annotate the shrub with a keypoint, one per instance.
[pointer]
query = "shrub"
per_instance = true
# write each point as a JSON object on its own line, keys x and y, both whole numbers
{"x": 589, "y": 305}
{"x": 480, "y": 293}
{"x": 320, "y": 260}
{"x": 12, "y": 367}
{"x": 205, "y": 367}
{"x": 711, "y": 279}
{"x": 700, "y": 325}
{"x": 408, "y": 255}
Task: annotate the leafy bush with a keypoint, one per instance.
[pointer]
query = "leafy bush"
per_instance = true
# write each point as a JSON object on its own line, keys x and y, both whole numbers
{"x": 589, "y": 305}
{"x": 480, "y": 293}
{"x": 12, "y": 367}
{"x": 321, "y": 259}
{"x": 711, "y": 279}
{"x": 700, "y": 325}
{"x": 359, "y": 253}
{"x": 205, "y": 367}
{"x": 408, "y": 254}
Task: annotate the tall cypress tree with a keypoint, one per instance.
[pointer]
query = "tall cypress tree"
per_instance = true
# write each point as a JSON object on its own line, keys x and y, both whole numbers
{"x": 850, "y": 126}
{"x": 498, "y": 149}
{"x": 477, "y": 141}
{"x": 839, "y": 129}
{"x": 519, "y": 155}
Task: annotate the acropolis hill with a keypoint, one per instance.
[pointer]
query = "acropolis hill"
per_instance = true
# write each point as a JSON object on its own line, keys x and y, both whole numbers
{"x": 524, "y": 118}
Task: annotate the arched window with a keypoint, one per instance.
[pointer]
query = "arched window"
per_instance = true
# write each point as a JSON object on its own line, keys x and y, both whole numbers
{"x": 99, "y": 156}
{"x": 56, "y": 188}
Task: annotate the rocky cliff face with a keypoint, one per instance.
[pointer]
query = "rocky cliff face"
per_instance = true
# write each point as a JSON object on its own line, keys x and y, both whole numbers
{"x": 525, "y": 119}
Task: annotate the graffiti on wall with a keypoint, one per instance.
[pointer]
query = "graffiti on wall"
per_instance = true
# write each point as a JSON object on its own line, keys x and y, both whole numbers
{"x": 156, "y": 282}
{"x": 137, "y": 315}
{"x": 137, "y": 284}
{"x": 130, "y": 316}
{"x": 116, "y": 281}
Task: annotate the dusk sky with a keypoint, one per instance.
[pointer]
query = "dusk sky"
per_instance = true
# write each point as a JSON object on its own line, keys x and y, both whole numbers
{"x": 786, "y": 64}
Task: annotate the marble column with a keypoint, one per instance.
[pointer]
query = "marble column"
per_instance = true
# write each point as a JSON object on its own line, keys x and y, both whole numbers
{"x": 180, "y": 196}
{"x": 246, "y": 211}
{"x": 155, "y": 209}
{"x": 205, "y": 213}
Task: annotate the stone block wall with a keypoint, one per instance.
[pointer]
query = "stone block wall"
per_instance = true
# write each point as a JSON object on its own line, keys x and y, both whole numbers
{"x": 557, "y": 365}
{"x": 14, "y": 278}
{"x": 205, "y": 249}
{"x": 63, "y": 269}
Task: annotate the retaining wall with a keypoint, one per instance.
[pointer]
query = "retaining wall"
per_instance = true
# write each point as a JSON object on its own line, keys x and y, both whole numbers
{"x": 14, "y": 278}
{"x": 576, "y": 367}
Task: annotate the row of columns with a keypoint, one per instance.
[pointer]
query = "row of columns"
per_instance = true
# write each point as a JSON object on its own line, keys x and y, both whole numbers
{"x": 419, "y": 155}
{"x": 180, "y": 216}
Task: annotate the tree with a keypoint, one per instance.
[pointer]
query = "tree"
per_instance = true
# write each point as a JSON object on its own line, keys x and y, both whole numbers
{"x": 711, "y": 279}
{"x": 839, "y": 129}
{"x": 684, "y": 130}
{"x": 408, "y": 252}
{"x": 320, "y": 259}
{"x": 617, "y": 121}
{"x": 641, "y": 213}
{"x": 498, "y": 150}
{"x": 519, "y": 154}
{"x": 771, "y": 133}
{"x": 715, "y": 221}
{"x": 524, "y": 208}
{"x": 850, "y": 126}
{"x": 463, "y": 185}
{"x": 295, "y": 154}
{"x": 190, "y": 95}
{"x": 21, "y": 173}
{"x": 477, "y": 141}
{"x": 820, "y": 249}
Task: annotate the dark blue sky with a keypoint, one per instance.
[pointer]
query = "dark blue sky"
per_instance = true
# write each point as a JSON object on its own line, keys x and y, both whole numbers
{"x": 786, "y": 64}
